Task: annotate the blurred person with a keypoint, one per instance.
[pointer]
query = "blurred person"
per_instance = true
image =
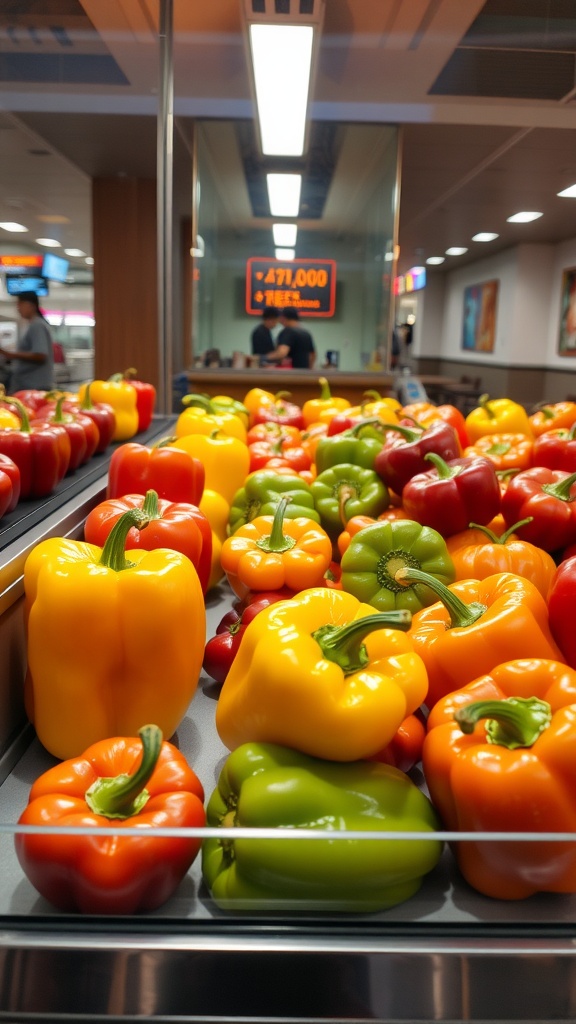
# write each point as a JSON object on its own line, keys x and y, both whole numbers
{"x": 294, "y": 342}
{"x": 32, "y": 362}
{"x": 261, "y": 338}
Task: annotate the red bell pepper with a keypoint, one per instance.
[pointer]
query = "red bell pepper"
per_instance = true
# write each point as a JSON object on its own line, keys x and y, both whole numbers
{"x": 33, "y": 399}
{"x": 77, "y": 435}
{"x": 288, "y": 454}
{"x": 452, "y": 494}
{"x": 425, "y": 413}
{"x": 556, "y": 449}
{"x": 9, "y": 485}
{"x": 547, "y": 496}
{"x": 41, "y": 452}
{"x": 561, "y": 598}
{"x": 145, "y": 396}
{"x": 279, "y": 411}
{"x": 222, "y": 648}
{"x": 273, "y": 432}
{"x": 177, "y": 525}
{"x": 120, "y": 783}
{"x": 171, "y": 472}
{"x": 101, "y": 414}
{"x": 405, "y": 749}
{"x": 403, "y": 454}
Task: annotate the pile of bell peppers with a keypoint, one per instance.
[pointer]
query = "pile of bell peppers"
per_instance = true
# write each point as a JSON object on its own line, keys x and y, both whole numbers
{"x": 402, "y": 580}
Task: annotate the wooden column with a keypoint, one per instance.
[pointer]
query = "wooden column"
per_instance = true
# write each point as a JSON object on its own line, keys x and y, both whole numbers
{"x": 125, "y": 277}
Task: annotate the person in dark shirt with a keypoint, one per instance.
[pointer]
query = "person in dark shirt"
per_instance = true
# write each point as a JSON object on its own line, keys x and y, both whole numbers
{"x": 261, "y": 337}
{"x": 294, "y": 343}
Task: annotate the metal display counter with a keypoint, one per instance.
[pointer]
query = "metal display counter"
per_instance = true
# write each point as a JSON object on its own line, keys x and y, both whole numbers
{"x": 447, "y": 954}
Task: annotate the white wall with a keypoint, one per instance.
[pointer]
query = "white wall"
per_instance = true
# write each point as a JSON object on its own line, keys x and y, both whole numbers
{"x": 564, "y": 258}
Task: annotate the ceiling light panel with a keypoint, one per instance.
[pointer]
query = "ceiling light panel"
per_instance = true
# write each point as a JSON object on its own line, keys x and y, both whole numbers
{"x": 11, "y": 225}
{"x": 74, "y": 252}
{"x": 285, "y": 254}
{"x": 50, "y": 243}
{"x": 435, "y": 260}
{"x": 282, "y": 61}
{"x": 524, "y": 217}
{"x": 284, "y": 234}
{"x": 568, "y": 193}
{"x": 484, "y": 236}
{"x": 456, "y": 250}
{"x": 284, "y": 194}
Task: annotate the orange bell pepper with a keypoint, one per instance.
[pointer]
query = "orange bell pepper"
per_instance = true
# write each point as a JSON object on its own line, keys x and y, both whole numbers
{"x": 255, "y": 399}
{"x": 120, "y": 783}
{"x": 476, "y": 625}
{"x": 508, "y": 766}
{"x": 552, "y": 417}
{"x": 548, "y": 680}
{"x": 480, "y": 552}
{"x": 506, "y": 451}
{"x": 271, "y": 552}
{"x": 323, "y": 409}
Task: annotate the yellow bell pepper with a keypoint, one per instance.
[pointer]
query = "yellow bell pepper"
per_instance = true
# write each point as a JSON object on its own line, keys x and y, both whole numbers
{"x": 255, "y": 399}
{"x": 217, "y": 510}
{"x": 323, "y": 409}
{"x": 122, "y": 397}
{"x": 226, "y": 460}
{"x": 196, "y": 420}
{"x": 323, "y": 674}
{"x": 112, "y": 643}
{"x": 497, "y": 416}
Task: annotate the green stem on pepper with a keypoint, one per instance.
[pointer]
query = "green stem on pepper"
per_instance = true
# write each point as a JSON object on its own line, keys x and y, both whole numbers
{"x": 561, "y": 490}
{"x": 512, "y": 722}
{"x": 493, "y": 537}
{"x": 126, "y": 795}
{"x": 344, "y": 644}
{"x": 461, "y": 614}
{"x": 276, "y": 541}
{"x": 114, "y": 551}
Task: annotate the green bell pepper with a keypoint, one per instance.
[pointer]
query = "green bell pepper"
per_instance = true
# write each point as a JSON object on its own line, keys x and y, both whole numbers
{"x": 376, "y": 553}
{"x": 358, "y": 446}
{"x": 263, "y": 785}
{"x": 261, "y": 496}
{"x": 344, "y": 491}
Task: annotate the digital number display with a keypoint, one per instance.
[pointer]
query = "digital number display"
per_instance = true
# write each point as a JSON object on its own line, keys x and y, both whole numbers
{"x": 307, "y": 285}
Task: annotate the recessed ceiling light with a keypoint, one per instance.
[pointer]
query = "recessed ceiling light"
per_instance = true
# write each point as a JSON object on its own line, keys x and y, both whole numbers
{"x": 568, "y": 193}
{"x": 484, "y": 236}
{"x": 284, "y": 254}
{"x": 89, "y": 260}
{"x": 284, "y": 194}
{"x": 435, "y": 260}
{"x": 285, "y": 234}
{"x": 524, "y": 217}
{"x": 11, "y": 225}
{"x": 52, "y": 218}
{"x": 74, "y": 252}
{"x": 275, "y": 80}
{"x": 51, "y": 243}
{"x": 456, "y": 250}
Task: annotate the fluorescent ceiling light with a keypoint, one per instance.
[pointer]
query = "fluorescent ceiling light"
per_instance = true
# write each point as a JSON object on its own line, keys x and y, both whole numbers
{"x": 89, "y": 260}
{"x": 456, "y": 250}
{"x": 285, "y": 234}
{"x": 568, "y": 193}
{"x": 524, "y": 217}
{"x": 79, "y": 320}
{"x": 282, "y": 59}
{"x": 435, "y": 260}
{"x": 284, "y": 194}
{"x": 484, "y": 236}
{"x": 284, "y": 254}
{"x": 51, "y": 243}
{"x": 74, "y": 252}
{"x": 11, "y": 225}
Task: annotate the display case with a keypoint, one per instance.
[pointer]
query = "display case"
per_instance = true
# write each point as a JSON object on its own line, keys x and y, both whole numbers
{"x": 446, "y": 954}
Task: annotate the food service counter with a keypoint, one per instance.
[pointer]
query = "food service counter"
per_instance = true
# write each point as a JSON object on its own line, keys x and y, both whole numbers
{"x": 302, "y": 384}
{"x": 447, "y": 954}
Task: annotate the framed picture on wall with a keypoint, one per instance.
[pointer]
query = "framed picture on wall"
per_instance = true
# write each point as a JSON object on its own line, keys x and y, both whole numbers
{"x": 567, "y": 337}
{"x": 479, "y": 319}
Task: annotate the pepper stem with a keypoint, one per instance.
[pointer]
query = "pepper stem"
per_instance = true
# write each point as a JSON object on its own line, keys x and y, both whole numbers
{"x": 408, "y": 433}
{"x": 512, "y": 722}
{"x": 461, "y": 614}
{"x": 445, "y": 472}
{"x": 165, "y": 442}
{"x": 126, "y": 795}
{"x": 484, "y": 403}
{"x": 114, "y": 551}
{"x": 506, "y": 535}
{"x": 87, "y": 402}
{"x": 150, "y": 507}
{"x": 325, "y": 393}
{"x": 562, "y": 489}
{"x": 199, "y": 401}
{"x": 276, "y": 541}
{"x": 343, "y": 644}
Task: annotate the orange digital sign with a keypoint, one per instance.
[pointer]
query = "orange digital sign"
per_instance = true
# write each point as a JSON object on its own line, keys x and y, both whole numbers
{"x": 307, "y": 285}
{"x": 21, "y": 261}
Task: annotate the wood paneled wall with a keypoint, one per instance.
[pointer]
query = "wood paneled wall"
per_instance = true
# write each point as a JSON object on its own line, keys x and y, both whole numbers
{"x": 125, "y": 277}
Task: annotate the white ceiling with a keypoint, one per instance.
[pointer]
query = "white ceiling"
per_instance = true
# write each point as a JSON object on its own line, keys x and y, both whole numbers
{"x": 469, "y": 161}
